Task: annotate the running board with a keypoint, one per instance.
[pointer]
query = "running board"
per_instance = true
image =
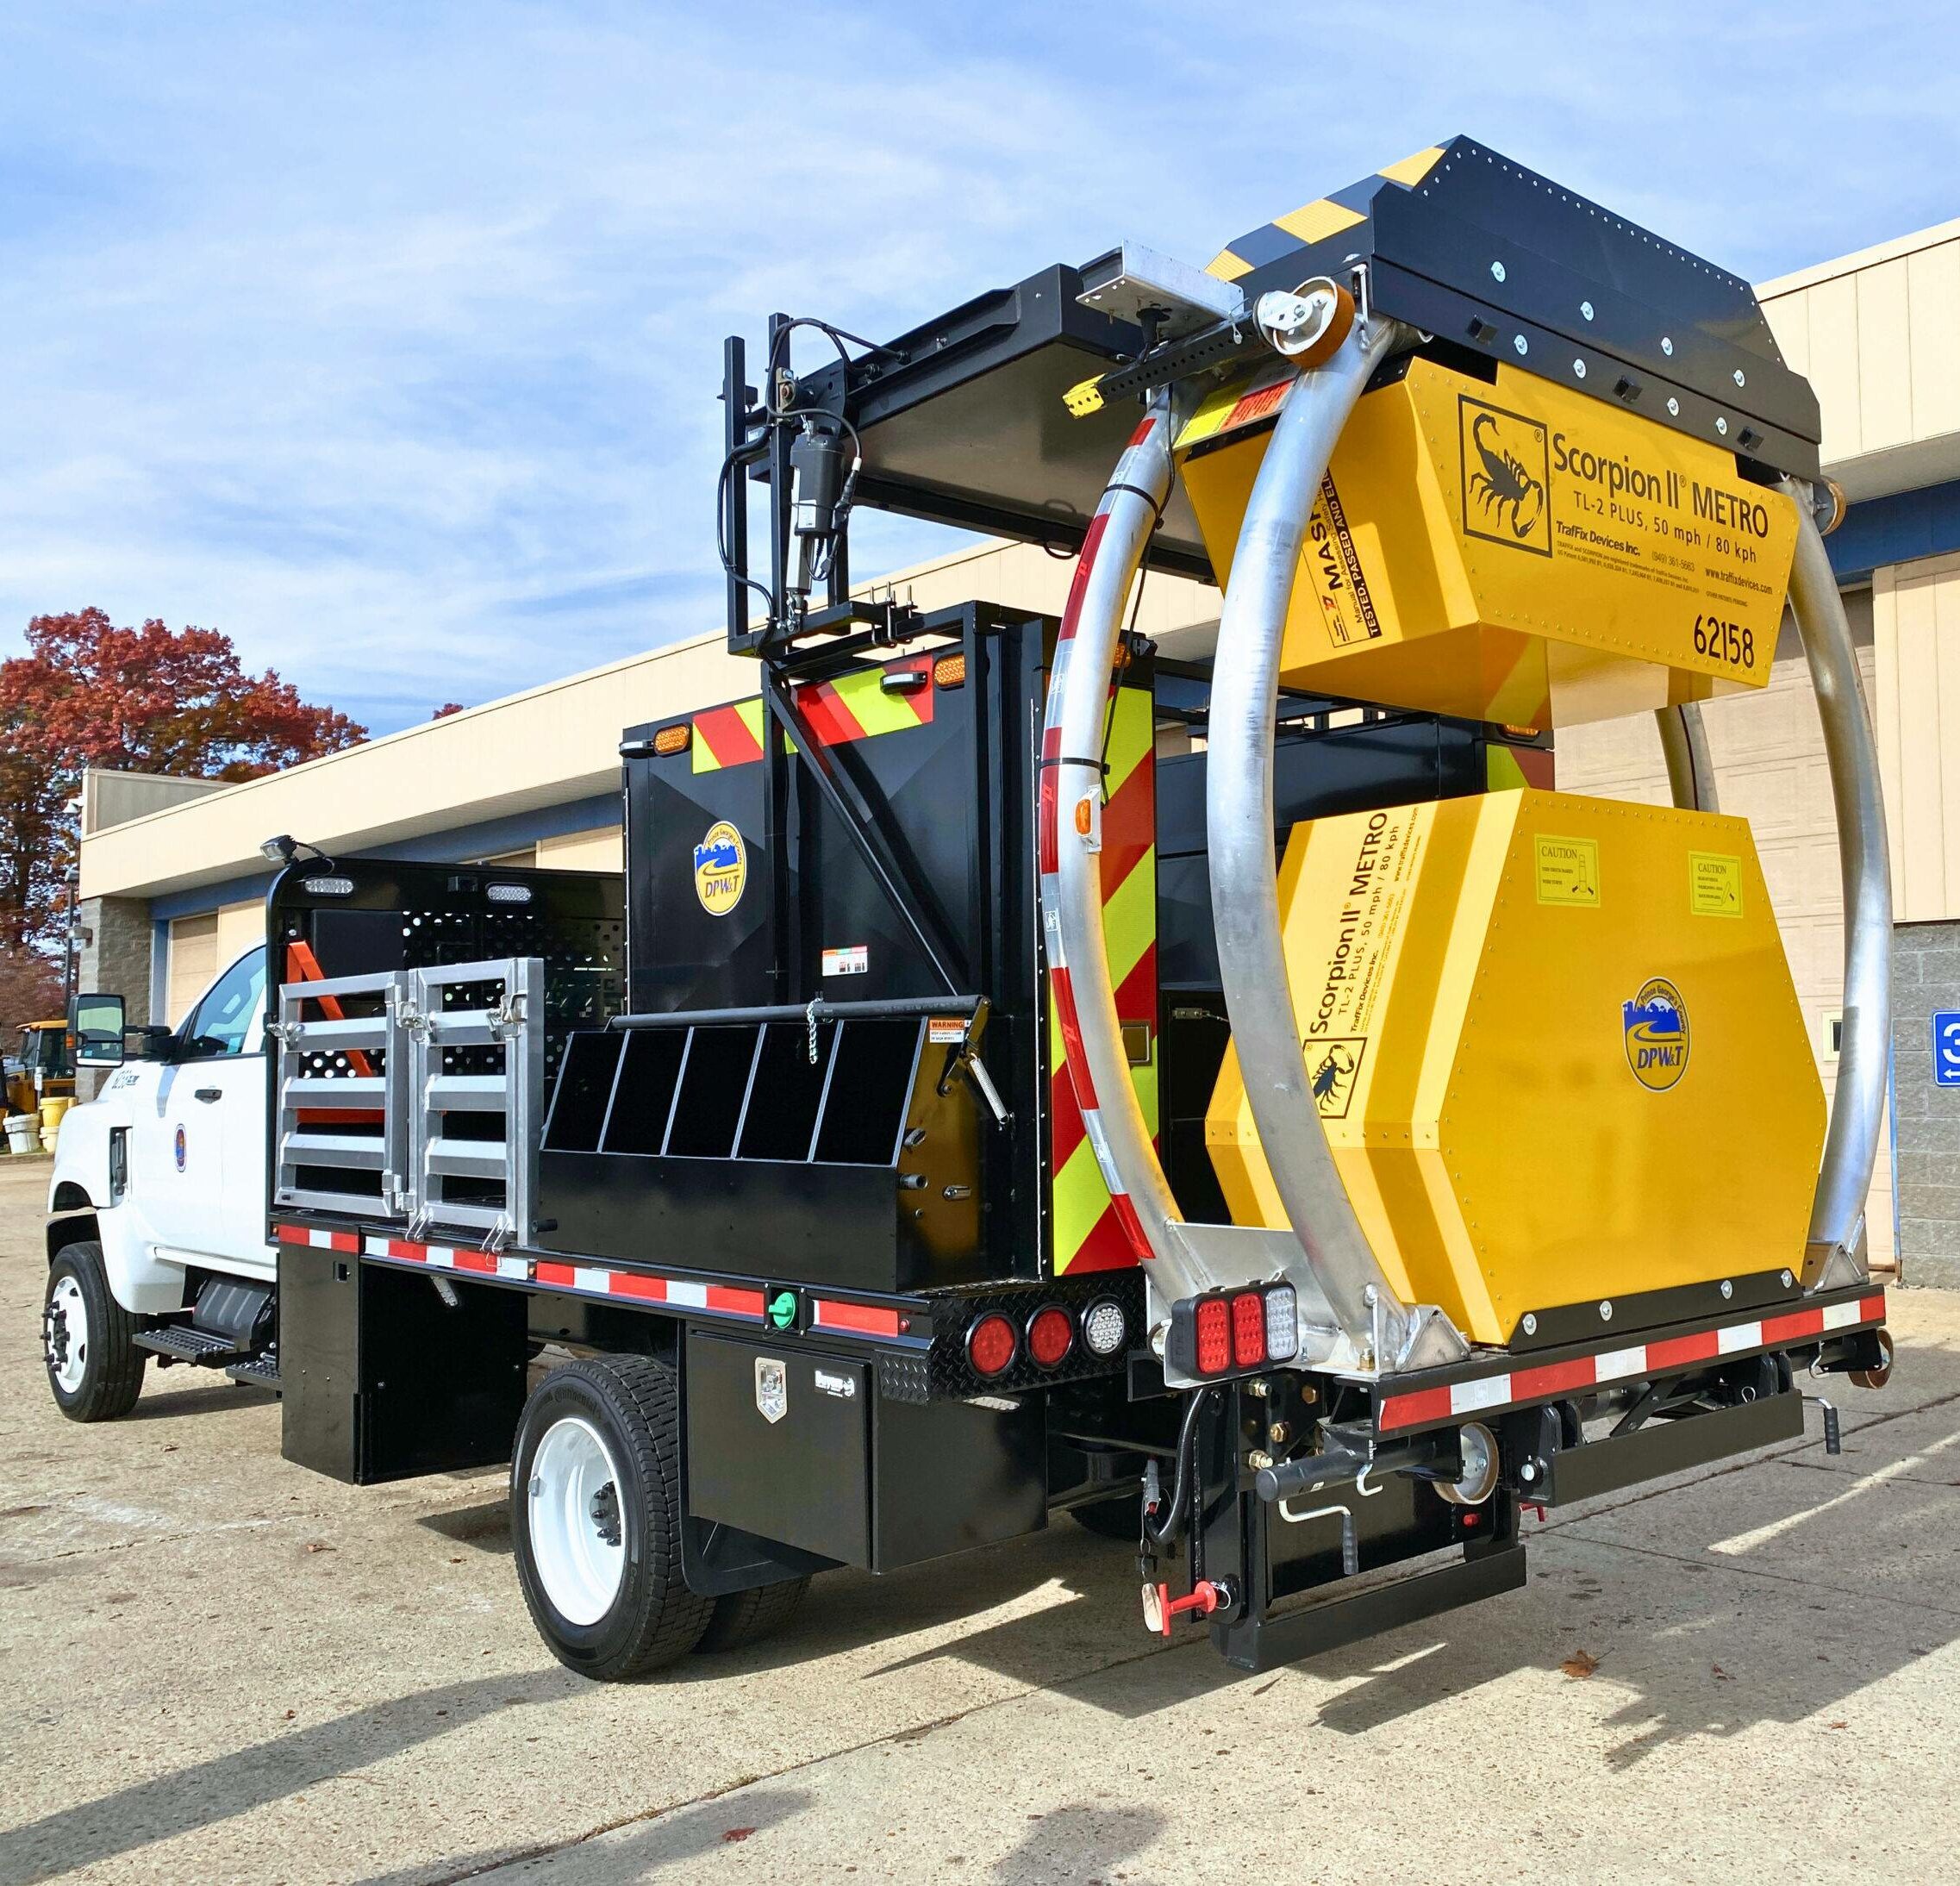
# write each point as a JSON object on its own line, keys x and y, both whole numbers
{"x": 182, "y": 1342}
{"x": 256, "y": 1371}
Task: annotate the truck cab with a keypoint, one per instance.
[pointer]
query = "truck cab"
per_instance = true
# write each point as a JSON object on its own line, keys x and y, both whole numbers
{"x": 158, "y": 1193}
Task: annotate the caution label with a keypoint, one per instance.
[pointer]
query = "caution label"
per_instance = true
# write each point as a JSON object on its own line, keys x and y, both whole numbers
{"x": 1568, "y": 870}
{"x": 1345, "y": 605}
{"x": 1715, "y": 884}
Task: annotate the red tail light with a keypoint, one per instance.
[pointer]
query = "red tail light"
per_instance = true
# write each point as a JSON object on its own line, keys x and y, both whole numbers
{"x": 1051, "y": 1335}
{"x": 1215, "y": 1337}
{"x": 991, "y": 1344}
{"x": 1248, "y": 1329}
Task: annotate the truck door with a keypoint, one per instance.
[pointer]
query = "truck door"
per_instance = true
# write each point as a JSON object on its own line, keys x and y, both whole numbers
{"x": 199, "y": 1164}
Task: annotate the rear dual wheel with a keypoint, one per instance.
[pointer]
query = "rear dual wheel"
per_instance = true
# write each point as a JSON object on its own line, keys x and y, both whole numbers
{"x": 595, "y": 1516}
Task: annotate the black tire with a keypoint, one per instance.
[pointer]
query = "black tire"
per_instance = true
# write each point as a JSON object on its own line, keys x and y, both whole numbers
{"x": 111, "y": 1364}
{"x": 633, "y": 1404}
{"x": 746, "y": 1617}
{"x": 1120, "y": 1518}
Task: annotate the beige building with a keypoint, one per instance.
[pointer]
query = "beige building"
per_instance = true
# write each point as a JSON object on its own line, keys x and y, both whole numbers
{"x": 171, "y": 872}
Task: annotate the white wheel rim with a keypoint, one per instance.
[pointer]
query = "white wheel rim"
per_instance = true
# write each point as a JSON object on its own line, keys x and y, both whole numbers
{"x": 578, "y": 1526}
{"x": 67, "y": 1360}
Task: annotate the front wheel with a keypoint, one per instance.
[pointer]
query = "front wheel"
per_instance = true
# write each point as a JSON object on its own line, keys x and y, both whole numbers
{"x": 595, "y": 1517}
{"x": 88, "y": 1340}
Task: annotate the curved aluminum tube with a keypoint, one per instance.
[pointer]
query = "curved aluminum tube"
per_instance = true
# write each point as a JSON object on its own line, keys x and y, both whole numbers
{"x": 1072, "y": 742}
{"x": 1857, "y": 1108}
{"x": 1244, "y": 892}
{"x": 1690, "y": 771}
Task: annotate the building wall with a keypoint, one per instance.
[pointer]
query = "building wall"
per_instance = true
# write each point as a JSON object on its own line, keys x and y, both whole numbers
{"x": 203, "y": 944}
{"x": 601, "y": 849}
{"x": 1875, "y": 334}
{"x": 1916, "y": 620}
{"x": 1926, "y": 981}
{"x": 520, "y": 762}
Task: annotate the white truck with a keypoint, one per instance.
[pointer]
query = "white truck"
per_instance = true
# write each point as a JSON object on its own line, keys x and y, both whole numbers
{"x": 158, "y": 1205}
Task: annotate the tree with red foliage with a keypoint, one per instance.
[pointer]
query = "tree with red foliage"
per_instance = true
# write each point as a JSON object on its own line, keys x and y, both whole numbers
{"x": 87, "y": 693}
{"x": 30, "y": 990}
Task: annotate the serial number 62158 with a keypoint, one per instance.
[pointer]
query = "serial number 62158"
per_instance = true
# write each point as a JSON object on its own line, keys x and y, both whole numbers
{"x": 1729, "y": 642}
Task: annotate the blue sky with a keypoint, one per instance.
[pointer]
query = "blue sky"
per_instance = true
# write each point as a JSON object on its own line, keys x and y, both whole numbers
{"x": 386, "y": 338}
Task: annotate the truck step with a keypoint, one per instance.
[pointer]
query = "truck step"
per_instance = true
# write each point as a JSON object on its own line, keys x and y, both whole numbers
{"x": 183, "y": 1342}
{"x": 262, "y": 1371}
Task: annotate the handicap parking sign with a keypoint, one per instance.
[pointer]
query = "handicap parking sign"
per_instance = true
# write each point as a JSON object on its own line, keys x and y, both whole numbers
{"x": 1947, "y": 1047}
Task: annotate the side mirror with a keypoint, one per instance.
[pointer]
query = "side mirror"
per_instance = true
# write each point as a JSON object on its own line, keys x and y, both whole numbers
{"x": 94, "y": 1022}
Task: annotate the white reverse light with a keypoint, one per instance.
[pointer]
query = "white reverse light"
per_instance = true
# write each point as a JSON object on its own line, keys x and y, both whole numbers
{"x": 1104, "y": 1327}
{"x": 1282, "y": 1323}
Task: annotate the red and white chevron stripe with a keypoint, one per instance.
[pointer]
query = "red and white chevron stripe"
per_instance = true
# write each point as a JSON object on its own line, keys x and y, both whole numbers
{"x": 1516, "y": 1387}
{"x": 1048, "y": 844}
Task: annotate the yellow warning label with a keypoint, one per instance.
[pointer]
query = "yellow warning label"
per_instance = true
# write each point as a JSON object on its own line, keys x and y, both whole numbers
{"x": 1345, "y": 604}
{"x": 1568, "y": 871}
{"x": 1715, "y": 884}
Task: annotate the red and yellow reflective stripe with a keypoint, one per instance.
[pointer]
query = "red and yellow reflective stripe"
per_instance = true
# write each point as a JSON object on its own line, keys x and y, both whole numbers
{"x": 728, "y": 736}
{"x": 854, "y": 706}
{"x": 1088, "y": 1232}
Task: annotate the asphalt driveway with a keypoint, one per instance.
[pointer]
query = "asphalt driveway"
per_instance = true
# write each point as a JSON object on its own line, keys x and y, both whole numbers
{"x": 214, "y": 1665}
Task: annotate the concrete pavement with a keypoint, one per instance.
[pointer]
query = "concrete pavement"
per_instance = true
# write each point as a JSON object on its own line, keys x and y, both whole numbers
{"x": 216, "y": 1665}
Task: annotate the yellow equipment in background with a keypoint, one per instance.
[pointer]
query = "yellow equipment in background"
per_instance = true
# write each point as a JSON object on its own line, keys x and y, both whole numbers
{"x": 1556, "y": 1048}
{"x": 44, "y": 1069}
{"x": 1511, "y": 550}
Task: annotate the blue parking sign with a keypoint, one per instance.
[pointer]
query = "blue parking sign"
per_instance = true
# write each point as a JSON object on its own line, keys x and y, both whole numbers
{"x": 1947, "y": 1047}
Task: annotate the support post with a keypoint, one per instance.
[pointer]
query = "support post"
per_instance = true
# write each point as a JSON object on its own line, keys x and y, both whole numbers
{"x": 1836, "y": 1251}
{"x": 1239, "y": 821}
{"x": 1684, "y": 744}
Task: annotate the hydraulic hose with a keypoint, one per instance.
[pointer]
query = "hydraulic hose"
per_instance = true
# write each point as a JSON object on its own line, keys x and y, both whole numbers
{"x": 1162, "y": 1538}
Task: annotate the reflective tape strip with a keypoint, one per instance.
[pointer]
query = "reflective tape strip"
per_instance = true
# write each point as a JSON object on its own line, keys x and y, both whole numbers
{"x": 1317, "y": 221}
{"x": 547, "y": 1273}
{"x": 1092, "y": 1228}
{"x": 316, "y": 1240}
{"x": 727, "y": 736}
{"x": 855, "y": 1319}
{"x": 855, "y": 707}
{"x": 1519, "y": 1387}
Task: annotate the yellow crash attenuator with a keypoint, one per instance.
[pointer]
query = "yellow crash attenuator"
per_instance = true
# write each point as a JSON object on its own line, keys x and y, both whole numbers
{"x": 1510, "y": 549}
{"x": 1555, "y": 1046}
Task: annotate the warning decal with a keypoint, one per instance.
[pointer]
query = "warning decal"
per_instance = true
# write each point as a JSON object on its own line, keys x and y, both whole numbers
{"x": 1345, "y": 604}
{"x": 1331, "y": 1068}
{"x": 1507, "y": 474}
{"x": 1715, "y": 884}
{"x": 1568, "y": 871}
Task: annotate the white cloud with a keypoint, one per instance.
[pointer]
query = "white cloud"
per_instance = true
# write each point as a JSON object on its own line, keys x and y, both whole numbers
{"x": 388, "y": 338}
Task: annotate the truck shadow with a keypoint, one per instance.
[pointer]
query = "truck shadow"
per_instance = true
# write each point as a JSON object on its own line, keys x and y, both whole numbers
{"x": 1687, "y": 1599}
{"x": 218, "y": 1397}
{"x": 208, "y": 1793}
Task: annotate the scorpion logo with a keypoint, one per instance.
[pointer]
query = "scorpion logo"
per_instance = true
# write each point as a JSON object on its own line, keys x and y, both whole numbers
{"x": 1333, "y": 1078}
{"x": 1504, "y": 495}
